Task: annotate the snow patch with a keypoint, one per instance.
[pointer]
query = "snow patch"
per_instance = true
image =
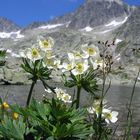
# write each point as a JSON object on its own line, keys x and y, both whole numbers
{"x": 15, "y": 55}
{"x": 9, "y": 51}
{"x": 13, "y": 35}
{"x": 117, "y": 1}
{"x": 49, "y": 26}
{"x": 116, "y": 23}
{"x": 67, "y": 24}
{"x": 87, "y": 29}
{"x": 118, "y": 41}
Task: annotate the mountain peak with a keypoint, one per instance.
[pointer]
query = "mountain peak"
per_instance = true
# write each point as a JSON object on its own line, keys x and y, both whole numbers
{"x": 96, "y": 12}
{"x": 7, "y": 25}
{"x": 117, "y": 1}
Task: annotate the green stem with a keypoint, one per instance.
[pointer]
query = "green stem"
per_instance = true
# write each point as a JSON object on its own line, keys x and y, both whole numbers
{"x": 30, "y": 93}
{"x": 47, "y": 86}
{"x": 78, "y": 96}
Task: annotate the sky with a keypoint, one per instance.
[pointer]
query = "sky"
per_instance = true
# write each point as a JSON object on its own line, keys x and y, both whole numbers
{"x": 24, "y": 12}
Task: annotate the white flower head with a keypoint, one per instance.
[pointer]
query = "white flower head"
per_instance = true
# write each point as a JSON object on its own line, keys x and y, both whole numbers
{"x": 96, "y": 108}
{"x": 74, "y": 56}
{"x": 48, "y": 90}
{"x": 33, "y": 54}
{"x": 49, "y": 54}
{"x": 67, "y": 66}
{"x": 80, "y": 67}
{"x": 57, "y": 64}
{"x": 66, "y": 98}
{"x": 90, "y": 51}
{"x": 91, "y": 110}
{"x": 110, "y": 116}
{"x": 48, "y": 63}
{"x": 46, "y": 44}
{"x": 61, "y": 95}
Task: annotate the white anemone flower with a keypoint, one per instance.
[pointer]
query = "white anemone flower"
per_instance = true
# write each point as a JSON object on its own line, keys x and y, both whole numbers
{"x": 48, "y": 63}
{"x": 61, "y": 95}
{"x": 66, "y": 98}
{"x": 67, "y": 66}
{"x": 110, "y": 116}
{"x": 48, "y": 90}
{"x": 91, "y": 110}
{"x": 33, "y": 54}
{"x": 96, "y": 110}
{"x": 49, "y": 54}
{"x": 74, "y": 56}
{"x": 94, "y": 63}
{"x": 98, "y": 63}
{"x": 57, "y": 64}
{"x": 80, "y": 67}
{"x": 90, "y": 51}
{"x": 71, "y": 57}
{"x": 46, "y": 44}
{"x": 96, "y": 107}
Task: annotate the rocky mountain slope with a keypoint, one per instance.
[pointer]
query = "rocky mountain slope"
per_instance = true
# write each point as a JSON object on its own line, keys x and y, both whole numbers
{"x": 94, "y": 20}
{"x": 131, "y": 29}
{"x": 7, "y": 25}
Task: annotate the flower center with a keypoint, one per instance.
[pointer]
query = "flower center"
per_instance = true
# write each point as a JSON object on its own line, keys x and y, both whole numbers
{"x": 80, "y": 67}
{"x": 66, "y": 97}
{"x": 69, "y": 67}
{"x": 91, "y": 51}
{"x": 49, "y": 62}
{"x": 108, "y": 115}
{"x": 35, "y": 52}
{"x": 77, "y": 54}
{"x": 45, "y": 43}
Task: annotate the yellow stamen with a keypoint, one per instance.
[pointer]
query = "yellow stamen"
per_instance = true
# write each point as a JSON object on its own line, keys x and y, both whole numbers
{"x": 35, "y": 52}
{"x": 45, "y": 43}
{"x": 80, "y": 67}
{"x": 15, "y": 115}
{"x": 91, "y": 51}
{"x": 5, "y": 105}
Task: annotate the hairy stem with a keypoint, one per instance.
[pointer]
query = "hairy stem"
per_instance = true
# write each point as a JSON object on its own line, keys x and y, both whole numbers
{"x": 78, "y": 96}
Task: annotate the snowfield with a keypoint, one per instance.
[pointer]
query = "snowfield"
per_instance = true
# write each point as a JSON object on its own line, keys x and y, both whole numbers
{"x": 87, "y": 29}
{"x": 116, "y": 23}
{"x": 12, "y": 35}
{"x": 50, "y": 26}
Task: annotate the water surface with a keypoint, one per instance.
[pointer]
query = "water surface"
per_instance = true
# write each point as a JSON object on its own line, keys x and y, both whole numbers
{"x": 117, "y": 97}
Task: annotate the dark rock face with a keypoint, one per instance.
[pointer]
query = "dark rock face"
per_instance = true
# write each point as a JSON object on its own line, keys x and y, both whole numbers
{"x": 131, "y": 29}
{"x": 97, "y": 13}
{"x": 7, "y": 25}
{"x": 34, "y": 25}
{"x": 94, "y": 13}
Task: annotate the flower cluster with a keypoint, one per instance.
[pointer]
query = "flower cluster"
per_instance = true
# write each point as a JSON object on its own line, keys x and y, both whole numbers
{"x": 106, "y": 114}
{"x": 42, "y": 50}
{"x": 62, "y": 95}
{"x": 79, "y": 62}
